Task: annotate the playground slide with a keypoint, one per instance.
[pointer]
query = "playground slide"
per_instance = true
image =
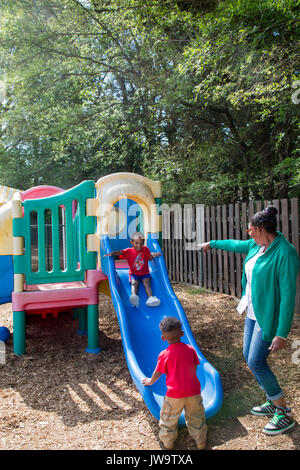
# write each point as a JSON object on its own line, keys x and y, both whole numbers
{"x": 6, "y": 279}
{"x": 141, "y": 336}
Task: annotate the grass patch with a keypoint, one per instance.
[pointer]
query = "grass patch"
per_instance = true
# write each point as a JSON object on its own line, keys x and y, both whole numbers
{"x": 196, "y": 290}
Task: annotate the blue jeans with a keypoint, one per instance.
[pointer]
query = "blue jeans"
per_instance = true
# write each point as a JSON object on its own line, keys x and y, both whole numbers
{"x": 256, "y": 352}
{"x": 139, "y": 277}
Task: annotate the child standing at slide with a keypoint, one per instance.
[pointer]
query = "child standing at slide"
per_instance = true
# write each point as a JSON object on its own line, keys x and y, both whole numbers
{"x": 179, "y": 362}
{"x": 138, "y": 256}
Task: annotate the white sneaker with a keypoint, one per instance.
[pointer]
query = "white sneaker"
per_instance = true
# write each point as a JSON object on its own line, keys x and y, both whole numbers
{"x": 134, "y": 300}
{"x": 152, "y": 301}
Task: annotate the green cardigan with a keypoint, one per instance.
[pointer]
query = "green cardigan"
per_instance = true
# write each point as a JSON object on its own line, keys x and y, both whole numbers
{"x": 273, "y": 282}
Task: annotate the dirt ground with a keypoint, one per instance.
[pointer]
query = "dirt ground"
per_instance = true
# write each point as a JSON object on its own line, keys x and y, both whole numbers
{"x": 58, "y": 397}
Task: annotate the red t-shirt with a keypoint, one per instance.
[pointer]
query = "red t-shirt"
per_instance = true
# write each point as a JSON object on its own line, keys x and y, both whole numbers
{"x": 137, "y": 260}
{"x": 179, "y": 362}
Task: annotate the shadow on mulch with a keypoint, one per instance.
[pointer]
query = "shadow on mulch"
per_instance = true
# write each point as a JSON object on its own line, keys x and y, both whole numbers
{"x": 57, "y": 376}
{"x": 56, "y": 368}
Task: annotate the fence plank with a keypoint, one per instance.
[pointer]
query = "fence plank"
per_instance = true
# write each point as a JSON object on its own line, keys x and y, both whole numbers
{"x": 191, "y": 226}
{"x": 238, "y": 258}
{"x": 180, "y": 242}
{"x": 200, "y": 235}
{"x": 208, "y": 254}
{"x": 204, "y": 255}
{"x": 185, "y": 257}
{"x": 194, "y": 253}
{"x": 285, "y": 217}
{"x": 214, "y": 252}
{"x": 295, "y": 224}
{"x": 275, "y": 203}
{"x": 251, "y": 209}
{"x": 168, "y": 242}
{"x": 258, "y": 206}
{"x": 170, "y": 247}
{"x": 225, "y": 253}
{"x": 219, "y": 270}
{"x": 188, "y": 232}
{"x": 177, "y": 234}
{"x": 231, "y": 254}
{"x": 163, "y": 231}
{"x": 219, "y": 237}
{"x": 244, "y": 221}
{"x": 173, "y": 247}
{"x": 166, "y": 233}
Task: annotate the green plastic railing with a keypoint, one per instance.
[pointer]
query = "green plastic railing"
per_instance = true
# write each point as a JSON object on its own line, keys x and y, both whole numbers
{"x": 77, "y": 259}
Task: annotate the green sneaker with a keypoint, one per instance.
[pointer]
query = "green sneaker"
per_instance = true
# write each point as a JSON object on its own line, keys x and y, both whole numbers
{"x": 282, "y": 421}
{"x": 266, "y": 409}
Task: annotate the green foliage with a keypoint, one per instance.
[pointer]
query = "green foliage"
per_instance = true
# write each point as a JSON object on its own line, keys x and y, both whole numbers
{"x": 196, "y": 94}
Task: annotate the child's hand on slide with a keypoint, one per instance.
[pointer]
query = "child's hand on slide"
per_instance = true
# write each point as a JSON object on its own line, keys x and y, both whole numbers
{"x": 146, "y": 381}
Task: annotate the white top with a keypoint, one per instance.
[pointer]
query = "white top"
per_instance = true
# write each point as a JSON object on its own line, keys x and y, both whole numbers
{"x": 246, "y": 300}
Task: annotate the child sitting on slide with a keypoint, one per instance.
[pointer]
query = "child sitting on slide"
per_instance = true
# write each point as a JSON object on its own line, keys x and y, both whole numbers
{"x": 138, "y": 256}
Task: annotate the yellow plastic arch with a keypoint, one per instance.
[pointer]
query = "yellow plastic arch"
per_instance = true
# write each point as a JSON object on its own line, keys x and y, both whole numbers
{"x": 6, "y": 204}
{"x": 112, "y": 188}
{"x": 6, "y": 236}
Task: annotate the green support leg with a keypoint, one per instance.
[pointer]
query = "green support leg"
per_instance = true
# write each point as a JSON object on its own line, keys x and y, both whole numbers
{"x": 93, "y": 329}
{"x": 75, "y": 313}
{"x": 82, "y": 317}
{"x": 19, "y": 325}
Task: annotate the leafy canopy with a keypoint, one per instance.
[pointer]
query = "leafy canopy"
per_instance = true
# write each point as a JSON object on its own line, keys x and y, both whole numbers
{"x": 196, "y": 94}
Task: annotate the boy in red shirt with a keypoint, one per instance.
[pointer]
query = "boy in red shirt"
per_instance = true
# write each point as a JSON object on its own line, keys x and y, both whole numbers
{"x": 138, "y": 256}
{"x": 179, "y": 362}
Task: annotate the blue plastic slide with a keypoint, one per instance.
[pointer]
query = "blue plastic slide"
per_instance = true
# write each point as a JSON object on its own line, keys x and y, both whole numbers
{"x": 141, "y": 336}
{"x": 6, "y": 279}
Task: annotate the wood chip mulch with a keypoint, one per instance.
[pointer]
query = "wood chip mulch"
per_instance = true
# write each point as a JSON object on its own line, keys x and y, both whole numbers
{"x": 59, "y": 397}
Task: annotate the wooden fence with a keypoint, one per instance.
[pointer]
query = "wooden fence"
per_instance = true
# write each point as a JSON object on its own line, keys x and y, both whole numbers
{"x": 184, "y": 227}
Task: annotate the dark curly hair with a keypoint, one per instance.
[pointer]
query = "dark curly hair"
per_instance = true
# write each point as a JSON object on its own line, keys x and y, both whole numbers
{"x": 170, "y": 324}
{"x": 266, "y": 219}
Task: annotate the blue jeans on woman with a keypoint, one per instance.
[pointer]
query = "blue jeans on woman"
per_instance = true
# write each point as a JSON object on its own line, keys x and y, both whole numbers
{"x": 256, "y": 352}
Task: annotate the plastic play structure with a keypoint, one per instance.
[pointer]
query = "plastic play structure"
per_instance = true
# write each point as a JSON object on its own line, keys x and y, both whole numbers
{"x": 52, "y": 247}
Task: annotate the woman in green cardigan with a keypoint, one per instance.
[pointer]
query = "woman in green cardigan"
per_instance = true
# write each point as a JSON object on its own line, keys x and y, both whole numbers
{"x": 269, "y": 290}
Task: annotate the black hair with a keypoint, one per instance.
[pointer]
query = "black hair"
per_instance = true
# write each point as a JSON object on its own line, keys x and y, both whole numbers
{"x": 170, "y": 324}
{"x": 266, "y": 219}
